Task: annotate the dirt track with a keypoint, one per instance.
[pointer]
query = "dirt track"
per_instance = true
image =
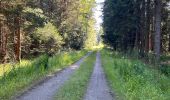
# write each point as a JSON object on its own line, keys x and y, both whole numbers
{"x": 98, "y": 89}
{"x": 47, "y": 90}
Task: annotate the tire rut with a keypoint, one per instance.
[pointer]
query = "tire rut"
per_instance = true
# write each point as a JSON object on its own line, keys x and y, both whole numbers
{"x": 48, "y": 89}
{"x": 98, "y": 88}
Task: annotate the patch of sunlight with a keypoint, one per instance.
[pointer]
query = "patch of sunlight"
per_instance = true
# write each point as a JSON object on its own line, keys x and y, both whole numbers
{"x": 6, "y": 68}
{"x": 74, "y": 66}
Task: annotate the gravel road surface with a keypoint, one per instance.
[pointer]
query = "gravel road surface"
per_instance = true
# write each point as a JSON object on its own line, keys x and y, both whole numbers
{"x": 98, "y": 89}
{"x": 48, "y": 89}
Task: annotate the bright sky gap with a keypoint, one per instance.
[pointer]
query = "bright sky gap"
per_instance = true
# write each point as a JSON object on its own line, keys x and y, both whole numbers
{"x": 98, "y": 14}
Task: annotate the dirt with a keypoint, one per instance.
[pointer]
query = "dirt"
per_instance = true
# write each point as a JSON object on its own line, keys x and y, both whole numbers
{"x": 98, "y": 88}
{"x": 47, "y": 89}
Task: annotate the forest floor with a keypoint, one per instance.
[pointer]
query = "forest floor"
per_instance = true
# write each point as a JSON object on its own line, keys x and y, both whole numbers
{"x": 96, "y": 89}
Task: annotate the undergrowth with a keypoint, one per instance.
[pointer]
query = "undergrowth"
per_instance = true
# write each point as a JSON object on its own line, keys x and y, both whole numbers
{"x": 131, "y": 79}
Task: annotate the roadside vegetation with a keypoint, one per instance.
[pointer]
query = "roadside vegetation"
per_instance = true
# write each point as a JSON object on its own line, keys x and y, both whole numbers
{"x": 21, "y": 76}
{"x": 165, "y": 64}
{"x": 131, "y": 79}
{"x": 75, "y": 87}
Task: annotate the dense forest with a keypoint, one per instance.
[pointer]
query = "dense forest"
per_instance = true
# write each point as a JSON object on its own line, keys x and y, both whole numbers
{"x": 141, "y": 26}
{"x": 33, "y": 27}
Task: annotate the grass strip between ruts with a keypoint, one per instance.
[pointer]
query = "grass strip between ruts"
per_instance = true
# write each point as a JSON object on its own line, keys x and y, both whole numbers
{"x": 75, "y": 87}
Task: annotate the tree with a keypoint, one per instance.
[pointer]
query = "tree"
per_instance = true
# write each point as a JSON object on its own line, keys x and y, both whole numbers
{"x": 141, "y": 25}
{"x": 158, "y": 8}
{"x": 32, "y": 27}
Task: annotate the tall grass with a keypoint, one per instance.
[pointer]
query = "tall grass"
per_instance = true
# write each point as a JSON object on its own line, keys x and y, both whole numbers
{"x": 30, "y": 71}
{"x": 5, "y": 68}
{"x": 165, "y": 65}
{"x": 134, "y": 80}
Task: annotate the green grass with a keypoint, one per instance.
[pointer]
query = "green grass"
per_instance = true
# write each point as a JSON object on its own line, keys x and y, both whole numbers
{"x": 28, "y": 72}
{"x": 5, "y": 68}
{"x": 75, "y": 87}
{"x": 165, "y": 57}
{"x": 165, "y": 66}
{"x": 134, "y": 80}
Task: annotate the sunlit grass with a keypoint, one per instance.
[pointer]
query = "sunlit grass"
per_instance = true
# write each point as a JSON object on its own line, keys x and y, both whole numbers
{"x": 75, "y": 87}
{"x": 134, "y": 80}
{"x": 6, "y": 68}
{"x": 28, "y": 72}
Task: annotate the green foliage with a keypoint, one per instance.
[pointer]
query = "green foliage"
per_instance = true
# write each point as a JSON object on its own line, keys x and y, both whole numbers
{"x": 74, "y": 23}
{"x": 44, "y": 35}
{"x": 165, "y": 69}
{"x": 47, "y": 32}
{"x": 134, "y": 80}
{"x": 165, "y": 65}
{"x": 48, "y": 26}
{"x": 34, "y": 18}
{"x": 127, "y": 25}
{"x": 75, "y": 87}
{"x": 47, "y": 39}
{"x": 36, "y": 11}
{"x": 91, "y": 40}
{"x": 120, "y": 23}
{"x": 29, "y": 71}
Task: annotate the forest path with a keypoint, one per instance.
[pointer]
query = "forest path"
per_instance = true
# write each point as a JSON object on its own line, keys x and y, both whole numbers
{"x": 98, "y": 88}
{"x": 47, "y": 89}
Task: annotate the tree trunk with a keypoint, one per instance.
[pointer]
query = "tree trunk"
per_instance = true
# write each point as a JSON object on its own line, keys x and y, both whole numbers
{"x": 147, "y": 26}
{"x": 0, "y": 39}
{"x": 1, "y": 35}
{"x": 17, "y": 40}
{"x": 169, "y": 35}
{"x": 142, "y": 30}
{"x": 157, "y": 37}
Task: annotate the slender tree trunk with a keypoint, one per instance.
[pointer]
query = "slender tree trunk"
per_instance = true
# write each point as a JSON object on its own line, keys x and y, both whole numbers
{"x": 0, "y": 27}
{"x": 142, "y": 29}
{"x": 4, "y": 37}
{"x": 17, "y": 39}
{"x": 157, "y": 37}
{"x": 1, "y": 41}
{"x": 137, "y": 37}
{"x": 147, "y": 26}
{"x": 5, "y": 44}
{"x": 169, "y": 35}
{"x": 153, "y": 27}
{"x": 136, "y": 40}
{"x": 1, "y": 37}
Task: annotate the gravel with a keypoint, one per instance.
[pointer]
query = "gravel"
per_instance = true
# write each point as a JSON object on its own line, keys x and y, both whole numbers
{"x": 98, "y": 88}
{"x": 47, "y": 89}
